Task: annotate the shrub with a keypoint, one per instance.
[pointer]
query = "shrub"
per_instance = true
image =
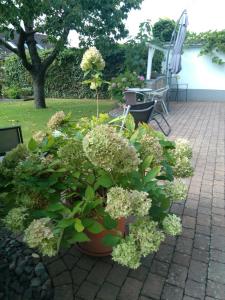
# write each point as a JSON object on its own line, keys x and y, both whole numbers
{"x": 13, "y": 92}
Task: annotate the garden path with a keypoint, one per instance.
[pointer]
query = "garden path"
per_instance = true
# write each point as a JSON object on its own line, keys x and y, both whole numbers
{"x": 189, "y": 267}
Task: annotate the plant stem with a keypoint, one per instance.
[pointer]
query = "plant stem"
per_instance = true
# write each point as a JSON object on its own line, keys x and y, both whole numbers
{"x": 97, "y": 103}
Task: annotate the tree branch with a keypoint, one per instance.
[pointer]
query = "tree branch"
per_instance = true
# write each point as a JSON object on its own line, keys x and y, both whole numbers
{"x": 21, "y": 50}
{"x": 6, "y": 45}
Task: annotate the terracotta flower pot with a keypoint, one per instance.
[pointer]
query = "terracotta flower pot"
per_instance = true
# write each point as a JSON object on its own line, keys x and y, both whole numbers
{"x": 95, "y": 246}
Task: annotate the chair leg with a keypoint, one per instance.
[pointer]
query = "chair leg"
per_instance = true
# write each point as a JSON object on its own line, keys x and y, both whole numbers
{"x": 158, "y": 123}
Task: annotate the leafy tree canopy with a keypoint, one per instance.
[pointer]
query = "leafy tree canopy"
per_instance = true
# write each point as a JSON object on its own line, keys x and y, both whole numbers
{"x": 163, "y": 29}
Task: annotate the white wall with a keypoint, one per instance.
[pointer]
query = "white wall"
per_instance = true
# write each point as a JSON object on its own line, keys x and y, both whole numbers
{"x": 199, "y": 71}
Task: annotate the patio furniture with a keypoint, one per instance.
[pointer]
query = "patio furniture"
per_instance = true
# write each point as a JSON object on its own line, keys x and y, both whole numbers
{"x": 177, "y": 88}
{"x": 161, "y": 96}
{"x": 10, "y": 137}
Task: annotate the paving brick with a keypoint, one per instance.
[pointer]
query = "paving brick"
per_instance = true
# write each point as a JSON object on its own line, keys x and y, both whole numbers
{"x": 203, "y": 219}
{"x": 197, "y": 271}
{"x": 216, "y": 272}
{"x": 171, "y": 292}
{"x": 130, "y": 290}
{"x": 184, "y": 245}
{"x": 140, "y": 273}
{"x": 177, "y": 275}
{"x": 218, "y": 230}
{"x": 70, "y": 261}
{"x": 153, "y": 286}
{"x": 191, "y": 212}
{"x": 200, "y": 255}
{"x": 147, "y": 261}
{"x": 117, "y": 275}
{"x": 159, "y": 267}
{"x": 202, "y": 229}
{"x": 181, "y": 259}
{"x": 218, "y": 242}
{"x": 63, "y": 292}
{"x": 99, "y": 272}
{"x": 195, "y": 289}
{"x": 78, "y": 275}
{"x": 216, "y": 290}
{"x": 108, "y": 291}
{"x": 204, "y": 210}
{"x": 201, "y": 242}
{"x": 56, "y": 267}
{"x": 189, "y": 222}
{"x": 218, "y": 220}
{"x": 188, "y": 298}
{"x": 86, "y": 262}
{"x": 165, "y": 253}
{"x": 217, "y": 255}
{"x": 62, "y": 279}
{"x": 87, "y": 291}
{"x": 170, "y": 240}
{"x": 189, "y": 233}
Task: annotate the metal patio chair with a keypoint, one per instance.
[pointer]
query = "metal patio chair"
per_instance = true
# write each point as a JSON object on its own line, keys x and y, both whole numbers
{"x": 10, "y": 137}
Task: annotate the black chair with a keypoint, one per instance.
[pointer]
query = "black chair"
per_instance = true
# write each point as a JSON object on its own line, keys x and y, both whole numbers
{"x": 147, "y": 112}
{"x": 10, "y": 137}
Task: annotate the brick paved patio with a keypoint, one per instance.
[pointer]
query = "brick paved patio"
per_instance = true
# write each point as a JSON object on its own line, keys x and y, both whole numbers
{"x": 189, "y": 267}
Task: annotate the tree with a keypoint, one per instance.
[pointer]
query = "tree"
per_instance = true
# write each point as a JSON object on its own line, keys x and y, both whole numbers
{"x": 163, "y": 29}
{"x": 92, "y": 19}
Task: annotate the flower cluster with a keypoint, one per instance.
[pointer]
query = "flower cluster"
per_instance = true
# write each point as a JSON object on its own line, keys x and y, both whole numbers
{"x": 182, "y": 168}
{"x": 147, "y": 235}
{"x": 39, "y": 235}
{"x": 183, "y": 148}
{"x": 176, "y": 190}
{"x": 92, "y": 60}
{"x": 144, "y": 238}
{"x": 123, "y": 203}
{"x": 39, "y": 136}
{"x": 150, "y": 146}
{"x": 126, "y": 253}
{"x": 172, "y": 225}
{"x": 107, "y": 149}
{"x": 15, "y": 219}
{"x": 56, "y": 120}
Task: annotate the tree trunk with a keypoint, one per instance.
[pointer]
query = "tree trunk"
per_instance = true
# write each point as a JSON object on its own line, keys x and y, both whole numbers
{"x": 39, "y": 90}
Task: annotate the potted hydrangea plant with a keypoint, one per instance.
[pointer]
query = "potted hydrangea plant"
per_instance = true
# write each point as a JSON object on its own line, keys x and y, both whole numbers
{"x": 78, "y": 181}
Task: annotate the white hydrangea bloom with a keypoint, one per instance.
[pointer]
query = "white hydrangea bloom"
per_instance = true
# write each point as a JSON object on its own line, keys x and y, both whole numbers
{"x": 183, "y": 148}
{"x": 15, "y": 219}
{"x": 124, "y": 203}
{"x": 150, "y": 146}
{"x": 182, "y": 168}
{"x": 172, "y": 225}
{"x": 176, "y": 190}
{"x": 146, "y": 233}
{"x": 92, "y": 60}
{"x": 39, "y": 136}
{"x": 56, "y": 120}
{"x": 127, "y": 254}
{"x": 39, "y": 235}
{"x": 107, "y": 149}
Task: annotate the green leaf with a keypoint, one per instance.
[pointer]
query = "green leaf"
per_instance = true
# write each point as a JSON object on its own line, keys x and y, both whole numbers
{"x": 32, "y": 145}
{"x": 109, "y": 223}
{"x": 79, "y": 237}
{"x": 55, "y": 207}
{"x": 152, "y": 174}
{"x": 147, "y": 162}
{"x": 105, "y": 181}
{"x": 65, "y": 223}
{"x": 78, "y": 225}
{"x": 89, "y": 193}
{"x": 95, "y": 227}
{"x": 111, "y": 240}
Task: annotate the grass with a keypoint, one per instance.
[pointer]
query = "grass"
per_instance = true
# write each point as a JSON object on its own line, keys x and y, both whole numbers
{"x": 31, "y": 120}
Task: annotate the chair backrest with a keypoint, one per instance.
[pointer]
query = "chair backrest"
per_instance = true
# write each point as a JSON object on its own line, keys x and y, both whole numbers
{"x": 142, "y": 112}
{"x": 10, "y": 137}
{"x": 132, "y": 98}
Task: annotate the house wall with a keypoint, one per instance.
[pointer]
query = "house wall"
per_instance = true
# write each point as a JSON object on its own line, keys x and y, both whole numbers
{"x": 206, "y": 80}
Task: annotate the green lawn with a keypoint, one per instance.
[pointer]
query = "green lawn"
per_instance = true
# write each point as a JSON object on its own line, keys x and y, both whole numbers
{"x": 31, "y": 119}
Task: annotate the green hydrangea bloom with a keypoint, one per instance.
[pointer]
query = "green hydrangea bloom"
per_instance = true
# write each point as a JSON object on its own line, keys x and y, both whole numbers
{"x": 182, "y": 168}
{"x": 127, "y": 254}
{"x": 15, "y": 219}
{"x": 124, "y": 203}
{"x": 172, "y": 225}
{"x": 183, "y": 148}
{"x": 39, "y": 235}
{"x": 147, "y": 235}
{"x": 150, "y": 146}
{"x": 107, "y": 149}
{"x": 176, "y": 190}
{"x": 12, "y": 158}
{"x": 92, "y": 60}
